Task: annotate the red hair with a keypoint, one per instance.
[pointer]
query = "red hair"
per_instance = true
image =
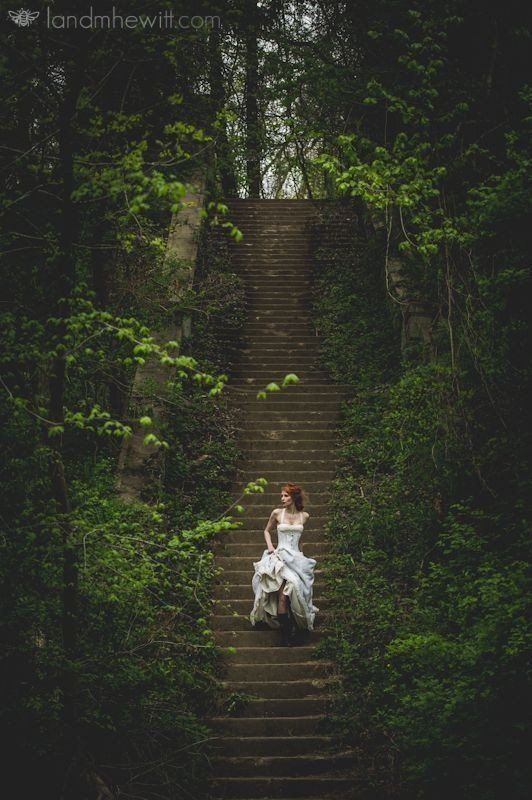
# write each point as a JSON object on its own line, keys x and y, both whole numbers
{"x": 296, "y": 493}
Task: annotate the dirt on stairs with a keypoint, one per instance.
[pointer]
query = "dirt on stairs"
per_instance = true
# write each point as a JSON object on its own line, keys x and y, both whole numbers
{"x": 273, "y": 744}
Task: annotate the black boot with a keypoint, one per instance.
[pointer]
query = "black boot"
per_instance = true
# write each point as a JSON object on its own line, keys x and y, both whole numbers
{"x": 284, "y": 621}
{"x": 293, "y": 629}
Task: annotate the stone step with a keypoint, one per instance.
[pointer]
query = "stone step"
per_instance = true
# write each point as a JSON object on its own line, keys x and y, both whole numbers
{"x": 291, "y": 349}
{"x": 321, "y": 425}
{"x": 280, "y": 272}
{"x": 242, "y": 262}
{"x": 299, "y": 220}
{"x": 243, "y": 607}
{"x": 285, "y": 765}
{"x": 257, "y": 234}
{"x": 276, "y": 229}
{"x": 283, "y": 420}
{"x": 287, "y": 327}
{"x": 290, "y": 286}
{"x": 240, "y": 622}
{"x": 279, "y": 689}
{"x": 277, "y": 338}
{"x": 259, "y": 638}
{"x": 295, "y": 219}
{"x": 308, "y": 474}
{"x": 297, "y": 288}
{"x": 317, "y": 495}
{"x": 277, "y": 312}
{"x": 288, "y": 459}
{"x": 276, "y": 357}
{"x": 270, "y": 726}
{"x": 236, "y": 552}
{"x": 239, "y": 583}
{"x": 255, "y": 522}
{"x": 247, "y": 671}
{"x": 284, "y": 445}
{"x": 223, "y": 591}
{"x": 273, "y": 296}
{"x": 262, "y": 379}
{"x": 269, "y": 656}
{"x": 286, "y": 787}
{"x": 237, "y": 574}
{"x": 293, "y": 246}
{"x": 282, "y": 707}
{"x": 316, "y": 435}
{"x": 266, "y": 244}
{"x": 261, "y": 505}
{"x": 264, "y": 746}
{"x": 254, "y": 539}
{"x": 240, "y": 547}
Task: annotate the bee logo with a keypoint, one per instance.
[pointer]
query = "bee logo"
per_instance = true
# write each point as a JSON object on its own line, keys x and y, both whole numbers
{"x": 23, "y": 18}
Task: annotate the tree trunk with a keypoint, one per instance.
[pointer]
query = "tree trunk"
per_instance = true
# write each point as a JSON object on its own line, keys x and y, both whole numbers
{"x": 223, "y": 151}
{"x": 65, "y": 276}
{"x": 253, "y": 132}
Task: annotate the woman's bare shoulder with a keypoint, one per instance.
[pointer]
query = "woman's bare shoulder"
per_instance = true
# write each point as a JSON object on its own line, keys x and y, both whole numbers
{"x": 306, "y": 516}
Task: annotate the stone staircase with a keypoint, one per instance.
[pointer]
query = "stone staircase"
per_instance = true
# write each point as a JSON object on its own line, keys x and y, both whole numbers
{"x": 273, "y": 744}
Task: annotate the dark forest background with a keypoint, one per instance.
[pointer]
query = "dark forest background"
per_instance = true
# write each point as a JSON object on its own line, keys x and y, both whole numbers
{"x": 419, "y": 115}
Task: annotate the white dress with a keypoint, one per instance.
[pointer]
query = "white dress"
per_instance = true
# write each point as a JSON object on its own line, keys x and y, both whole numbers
{"x": 287, "y": 562}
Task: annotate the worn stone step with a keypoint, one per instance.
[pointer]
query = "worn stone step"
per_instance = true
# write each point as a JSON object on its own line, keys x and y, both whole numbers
{"x": 254, "y": 438}
{"x": 263, "y": 300}
{"x": 273, "y": 297}
{"x": 276, "y": 338}
{"x": 232, "y": 592}
{"x": 282, "y": 707}
{"x": 279, "y": 360}
{"x": 255, "y": 540}
{"x": 264, "y": 746}
{"x": 274, "y": 265}
{"x": 241, "y": 547}
{"x": 271, "y": 493}
{"x": 286, "y": 787}
{"x": 285, "y": 445}
{"x": 262, "y": 379}
{"x": 287, "y": 327}
{"x": 287, "y": 285}
{"x": 249, "y": 244}
{"x": 259, "y": 638}
{"x": 239, "y": 577}
{"x": 260, "y": 505}
{"x": 310, "y": 474}
{"x": 280, "y": 689}
{"x": 267, "y": 726}
{"x": 236, "y": 671}
{"x": 292, "y": 459}
{"x": 245, "y": 389}
{"x": 297, "y": 426}
{"x": 254, "y": 520}
{"x": 239, "y": 622}
{"x": 279, "y": 401}
{"x": 272, "y": 655}
{"x": 271, "y": 413}
{"x": 226, "y": 552}
{"x": 285, "y": 765}
{"x": 256, "y": 530}
{"x": 264, "y": 270}
{"x": 243, "y": 606}
{"x": 279, "y": 244}
{"x": 289, "y": 350}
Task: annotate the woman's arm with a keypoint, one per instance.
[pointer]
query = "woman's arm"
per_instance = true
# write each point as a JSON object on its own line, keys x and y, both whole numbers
{"x": 269, "y": 524}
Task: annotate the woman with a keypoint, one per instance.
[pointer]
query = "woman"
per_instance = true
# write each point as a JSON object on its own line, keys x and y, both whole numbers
{"x": 283, "y": 578}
